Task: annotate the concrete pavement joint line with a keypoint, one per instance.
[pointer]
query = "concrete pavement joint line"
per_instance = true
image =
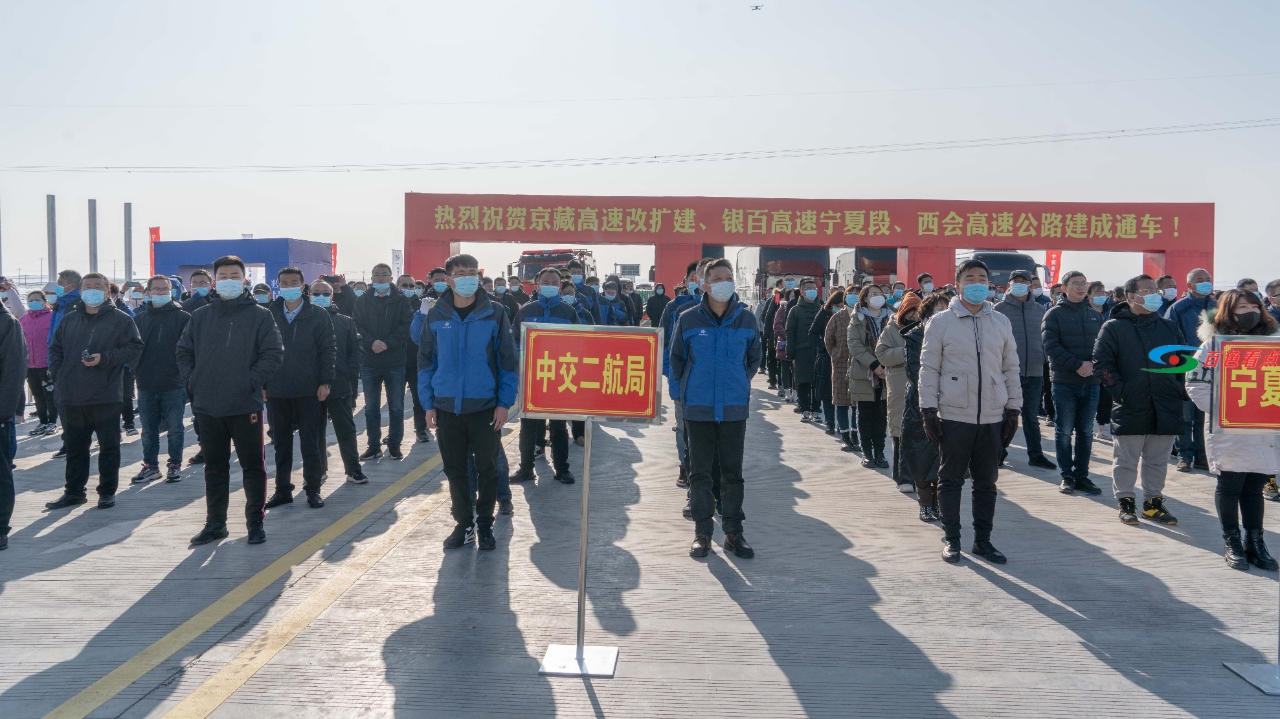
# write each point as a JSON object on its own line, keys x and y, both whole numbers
{"x": 218, "y": 688}
{"x": 101, "y": 691}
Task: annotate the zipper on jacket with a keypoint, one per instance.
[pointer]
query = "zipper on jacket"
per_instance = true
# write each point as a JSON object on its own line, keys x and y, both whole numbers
{"x": 230, "y": 327}
{"x": 977, "y": 341}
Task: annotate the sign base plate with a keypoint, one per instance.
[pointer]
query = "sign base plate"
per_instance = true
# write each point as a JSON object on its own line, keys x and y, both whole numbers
{"x": 562, "y": 661}
{"x": 1262, "y": 676}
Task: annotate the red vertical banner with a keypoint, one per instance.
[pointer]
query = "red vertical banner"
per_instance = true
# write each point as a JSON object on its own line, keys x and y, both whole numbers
{"x": 1052, "y": 266}
{"x": 333, "y": 259}
{"x": 153, "y": 237}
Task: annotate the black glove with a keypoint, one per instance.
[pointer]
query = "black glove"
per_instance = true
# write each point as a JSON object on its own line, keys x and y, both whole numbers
{"x": 1010, "y": 426}
{"x": 932, "y": 424}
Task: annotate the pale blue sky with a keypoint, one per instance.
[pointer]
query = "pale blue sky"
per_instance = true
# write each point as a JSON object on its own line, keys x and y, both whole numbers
{"x": 250, "y": 65}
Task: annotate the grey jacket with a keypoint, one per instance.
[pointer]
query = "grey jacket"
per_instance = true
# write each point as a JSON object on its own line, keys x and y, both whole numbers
{"x": 969, "y": 365}
{"x": 1026, "y": 319}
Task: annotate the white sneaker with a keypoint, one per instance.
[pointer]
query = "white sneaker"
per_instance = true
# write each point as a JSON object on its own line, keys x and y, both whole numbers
{"x": 906, "y": 488}
{"x": 471, "y": 536}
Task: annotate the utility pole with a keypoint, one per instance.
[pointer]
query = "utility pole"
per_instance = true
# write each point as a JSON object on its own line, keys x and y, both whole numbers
{"x": 93, "y": 235}
{"x": 128, "y": 242}
{"x": 1, "y": 259}
{"x": 51, "y": 218}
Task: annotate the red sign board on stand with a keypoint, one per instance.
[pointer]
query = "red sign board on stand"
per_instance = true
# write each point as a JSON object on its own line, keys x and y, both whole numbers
{"x": 580, "y": 371}
{"x": 1246, "y": 389}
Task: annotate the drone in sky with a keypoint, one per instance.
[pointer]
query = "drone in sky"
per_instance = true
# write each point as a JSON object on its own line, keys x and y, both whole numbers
{"x": 756, "y": 7}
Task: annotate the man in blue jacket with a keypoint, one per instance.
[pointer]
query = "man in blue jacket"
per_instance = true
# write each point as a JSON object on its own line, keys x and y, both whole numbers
{"x": 715, "y": 351}
{"x": 1185, "y": 313}
{"x": 613, "y": 306}
{"x": 668, "y": 324}
{"x": 467, "y": 399}
{"x": 547, "y": 307}
{"x": 588, "y": 297}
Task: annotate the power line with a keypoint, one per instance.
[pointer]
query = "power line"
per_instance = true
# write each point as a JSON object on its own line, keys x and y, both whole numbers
{"x": 674, "y": 158}
{"x": 544, "y": 101}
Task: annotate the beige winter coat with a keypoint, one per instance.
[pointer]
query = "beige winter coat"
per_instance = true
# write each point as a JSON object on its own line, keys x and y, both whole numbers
{"x": 1229, "y": 452}
{"x": 862, "y": 358}
{"x": 891, "y": 350}
{"x": 956, "y": 342}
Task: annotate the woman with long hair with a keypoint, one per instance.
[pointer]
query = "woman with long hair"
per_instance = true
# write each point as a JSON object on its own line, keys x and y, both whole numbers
{"x": 822, "y": 389}
{"x": 838, "y": 348}
{"x": 35, "y": 327}
{"x": 1243, "y": 462}
{"x": 867, "y": 375}
{"x": 891, "y": 350}
{"x": 920, "y": 457}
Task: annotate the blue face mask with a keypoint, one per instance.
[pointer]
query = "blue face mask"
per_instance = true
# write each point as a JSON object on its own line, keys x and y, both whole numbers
{"x": 60, "y": 290}
{"x": 610, "y": 295}
{"x": 263, "y": 299}
{"x": 175, "y": 293}
{"x": 381, "y": 286}
{"x": 1018, "y": 289}
{"x": 93, "y": 298}
{"x": 35, "y": 305}
{"x": 1099, "y": 301}
{"x": 321, "y": 300}
{"x": 897, "y": 294}
{"x": 290, "y": 294}
{"x": 693, "y": 286}
{"x": 568, "y": 298}
{"x": 358, "y": 292}
{"x": 160, "y": 300}
{"x": 199, "y": 291}
{"x": 439, "y": 287}
{"x": 577, "y": 279}
{"x": 466, "y": 286}
{"x": 549, "y": 291}
{"x": 722, "y": 291}
{"x": 1204, "y": 288}
{"x": 789, "y": 284}
{"x": 410, "y": 291}
{"x": 976, "y": 293}
{"x": 811, "y": 295}
{"x": 230, "y": 289}
{"x": 1153, "y": 303}
{"x": 660, "y": 291}
{"x": 499, "y": 289}
{"x": 851, "y": 300}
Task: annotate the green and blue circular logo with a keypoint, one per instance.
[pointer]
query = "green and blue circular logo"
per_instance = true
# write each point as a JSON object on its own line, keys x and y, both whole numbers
{"x": 1174, "y": 363}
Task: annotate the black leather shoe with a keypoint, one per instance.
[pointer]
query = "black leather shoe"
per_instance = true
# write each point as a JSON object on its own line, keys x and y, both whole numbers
{"x": 737, "y": 544}
{"x": 1235, "y": 555}
{"x": 4, "y": 542}
{"x": 314, "y": 500}
{"x": 506, "y": 507}
{"x": 1086, "y": 485}
{"x": 197, "y": 458}
{"x": 523, "y": 475}
{"x": 1255, "y": 550}
{"x": 1042, "y": 462}
{"x": 210, "y": 533}
{"x": 1201, "y": 464}
{"x": 869, "y": 462}
{"x": 701, "y": 546}
{"x": 106, "y": 501}
{"x": 457, "y": 537}
{"x": 485, "y": 540}
{"x": 423, "y": 437}
{"x": 257, "y": 535}
{"x": 951, "y": 551}
{"x": 683, "y": 480}
{"x": 688, "y": 510}
{"x": 66, "y": 500}
{"x": 393, "y": 451}
{"x": 1068, "y": 485}
{"x": 988, "y": 552}
{"x": 373, "y": 452}
{"x": 565, "y": 477}
{"x": 279, "y": 498}
{"x": 881, "y": 462}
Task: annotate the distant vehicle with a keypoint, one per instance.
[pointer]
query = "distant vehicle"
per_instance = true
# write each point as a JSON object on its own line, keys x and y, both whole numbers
{"x": 1001, "y": 263}
{"x": 533, "y": 261}
{"x": 760, "y": 267}
{"x": 875, "y": 264}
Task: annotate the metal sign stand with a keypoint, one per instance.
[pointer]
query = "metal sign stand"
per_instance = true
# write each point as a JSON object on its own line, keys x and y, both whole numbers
{"x": 1265, "y": 677}
{"x": 566, "y": 660}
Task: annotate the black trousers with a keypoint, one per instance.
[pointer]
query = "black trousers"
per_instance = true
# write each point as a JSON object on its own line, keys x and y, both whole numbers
{"x": 579, "y": 429}
{"x": 126, "y": 404}
{"x": 709, "y": 442}
{"x": 976, "y": 448}
{"x": 305, "y": 416}
{"x": 533, "y": 429}
{"x": 219, "y": 433}
{"x": 804, "y": 397}
{"x": 1046, "y": 393}
{"x": 1240, "y": 491}
{"x": 46, "y": 410}
{"x": 419, "y": 412}
{"x": 6, "y": 478}
{"x": 784, "y": 374}
{"x": 459, "y": 435}
{"x": 79, "y": 424}
{"x": 771, "y": 359}
{"x": 873, "y": 422}
{"x": 339, "y": 410}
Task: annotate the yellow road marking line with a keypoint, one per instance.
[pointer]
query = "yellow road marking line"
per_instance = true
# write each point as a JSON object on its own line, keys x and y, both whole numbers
{"x": 101, "y": 691}
{"x": 218, "y": 688}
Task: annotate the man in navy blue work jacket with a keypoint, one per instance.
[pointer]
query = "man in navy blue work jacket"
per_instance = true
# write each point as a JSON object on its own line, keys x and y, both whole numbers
{"x": 467, "y": 399}
{"x": 715, "y": 350}
{"x": 548, "y": 307}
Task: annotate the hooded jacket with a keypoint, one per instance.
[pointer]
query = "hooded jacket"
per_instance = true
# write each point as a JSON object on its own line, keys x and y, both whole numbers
{"x": 107, "y": 332}
{"x": 230, "y": 349}
{"x": 13, "y": 366}
{"x": 969, "y": 365}
{"x": 1229, "y": 452}
{"x": 713, "y": 360}
{"x": 670, "y": 314}
{"x": 589, "y": 299}
{"x": 542, "y": 309}
{"x": 35, "y": 327}
{"x": 310, "y": 351}
{"x": 1143, "y": 402}
{"x": 160, "y": 329}
{"x": 654, "y": 307}
{"x": 800, "y": 345}
{"x": 387, "y": 319}
{"x": 60, "y": 307}
{"x": 347, "y": 353}
{"x": 1070, "y": 330}
{"x": 451, "y": 374}
{"x": 614, "y": 312}
{"x": 1026, "y": 319}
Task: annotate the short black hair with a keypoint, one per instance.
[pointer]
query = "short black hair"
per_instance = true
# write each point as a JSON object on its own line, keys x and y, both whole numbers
{"x": 71, "y": 275}
{"x": 1272, "y": 287}
{"x": 568, "y": 285}
{"x": 722, "y": 262}
{"x": 611, "y": 282}
{"x": 227, "y": 260}
{"x": 693, "y": 266}
{"x": 969, "y": 265}
{"x": 545, "y": 270}
{"x": 437, "y": 271}
{"x": 574, "y": 263}
{"x": 153, "y": 278}
{"x": 292, "y": 271}
{"x": 1131, "y": 284}
{"x": 96, "y": 276}
{"x": 1066, "y": 279}
{"x": 1162, "y": 278}
{"x": 920, "y": 277}
{"x": 1245, "y": 281}
{"x": 202, "y": 271}
{"x": 1020, "y": 273}
{"x": 460, "y": 261}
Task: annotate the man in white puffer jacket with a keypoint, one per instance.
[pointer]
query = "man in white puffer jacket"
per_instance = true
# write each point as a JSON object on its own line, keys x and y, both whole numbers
{"x": 970, "y": 400}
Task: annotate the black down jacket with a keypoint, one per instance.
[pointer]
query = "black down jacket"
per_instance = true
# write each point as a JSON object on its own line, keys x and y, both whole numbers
{"x": 1143, "y": 402}
{"x": 920, "y": 457}
{"x": 1070, "y": 330}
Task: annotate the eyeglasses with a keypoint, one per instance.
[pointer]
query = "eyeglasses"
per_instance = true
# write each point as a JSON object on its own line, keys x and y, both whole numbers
{"x": 1145, "y": 293}
{"x": 1077, "y": 285}
{"x": 465, "y": 273}
{"x": 322, "y": 294}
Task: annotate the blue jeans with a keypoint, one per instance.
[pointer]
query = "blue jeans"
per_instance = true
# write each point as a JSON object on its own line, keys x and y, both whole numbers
{"x": 504, "y": 475}
{"x": 152, "y": 407}
{"x": 1031, "y": 387}
{"x": 1190, "y": 443}
{"x": 374, "y": 379}
{"x": 1076, "y": 407}
{"x": 845, "y": 419}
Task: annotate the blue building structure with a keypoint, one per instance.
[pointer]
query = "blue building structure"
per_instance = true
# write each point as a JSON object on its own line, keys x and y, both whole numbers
{"x": 263, "y": 258}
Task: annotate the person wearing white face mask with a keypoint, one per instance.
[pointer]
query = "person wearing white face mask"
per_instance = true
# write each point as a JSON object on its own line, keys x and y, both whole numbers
{"x": 801, "y": 347}
{"x": 383, "y": 317}
{"x": 867, "y": 375}
{"x": 1069, "y": 330}
{"x": 1025, "y": 319}
{"x": 1038, "y": 294}
{"x": 161, "y": 396}
{"x": 924, "y": 284}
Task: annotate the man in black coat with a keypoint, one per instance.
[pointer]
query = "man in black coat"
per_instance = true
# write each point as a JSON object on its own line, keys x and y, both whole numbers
{"x": 228, "y": 352}
{"x": 201, "y": 291}
{"x": 339, "y": 405}
{"x": 161, "y": 395}
{"x": 295, "y": 391}
{"x": 1070, "y": 330}
{"x": 93, "y": 343}
{"x": 344, "y": 297}
{"x": 516, "y": 288}
{"x": 13, "y": 369}
{"x": 1147, "y": 412}
{"x": 382, "y": 318}
{"x": 409, "y": 287}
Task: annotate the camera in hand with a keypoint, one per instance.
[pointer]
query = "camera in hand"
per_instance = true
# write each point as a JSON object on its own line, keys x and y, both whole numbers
{"x": 84, "y": 355}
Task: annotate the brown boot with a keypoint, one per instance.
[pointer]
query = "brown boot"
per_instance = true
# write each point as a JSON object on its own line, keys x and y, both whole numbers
{"x": 701, "y": 546}
{"x": 737, "y": 544}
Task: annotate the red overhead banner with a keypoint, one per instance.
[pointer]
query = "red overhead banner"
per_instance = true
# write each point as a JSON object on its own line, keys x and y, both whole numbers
{"x": 587, "y": 371}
